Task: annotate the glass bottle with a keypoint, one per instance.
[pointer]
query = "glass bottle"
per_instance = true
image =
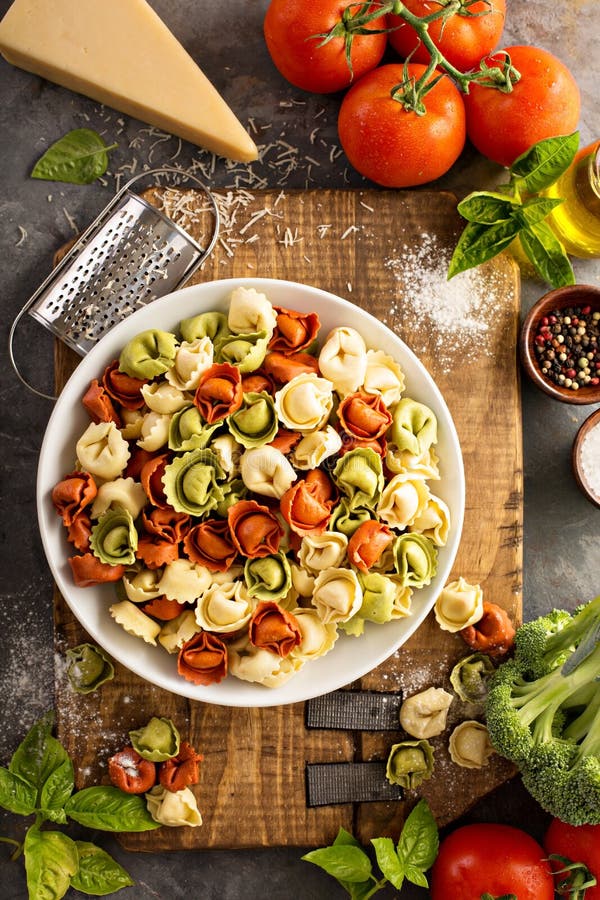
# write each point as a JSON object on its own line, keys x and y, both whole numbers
{"x": 576, "y": 222}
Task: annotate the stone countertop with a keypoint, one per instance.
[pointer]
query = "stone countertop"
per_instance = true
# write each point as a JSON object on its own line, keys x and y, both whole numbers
{"x": 561, "y": 558}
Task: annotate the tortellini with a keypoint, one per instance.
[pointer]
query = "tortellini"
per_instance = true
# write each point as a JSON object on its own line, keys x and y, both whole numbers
{"x": 343, "y": 359}
{"x": 459, "y": 604}
{"x": 424, "y": 715}
{"x": 244, "y": 451}
{"x": 173, "y": 808}
{"x": 305, "y": 402}
{"x": 470, "y": 745}
{"x": 102, "y": 451}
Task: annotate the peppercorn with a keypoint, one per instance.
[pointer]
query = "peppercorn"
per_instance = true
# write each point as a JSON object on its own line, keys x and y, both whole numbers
{"x": 567, "y": 345}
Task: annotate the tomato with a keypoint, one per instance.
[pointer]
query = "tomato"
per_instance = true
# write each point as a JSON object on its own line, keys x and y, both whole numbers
{"x": 545, "y": 102}
{"x": 290, "y": 30}
{"x": 492, "y": 859}
{"x": 392, "y": 145}
{"x": 463, "y": 39}
{"x": 579, "y": 844}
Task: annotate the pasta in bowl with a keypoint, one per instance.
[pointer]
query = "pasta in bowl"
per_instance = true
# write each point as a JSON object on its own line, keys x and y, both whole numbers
{"x": 259, "y": 498}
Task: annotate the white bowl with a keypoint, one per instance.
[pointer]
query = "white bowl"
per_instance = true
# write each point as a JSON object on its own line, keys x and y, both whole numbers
{"x": 351, "y": 657}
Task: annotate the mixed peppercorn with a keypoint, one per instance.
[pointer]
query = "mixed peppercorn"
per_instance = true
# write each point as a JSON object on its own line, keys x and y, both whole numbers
{"x": 567, "y": 344}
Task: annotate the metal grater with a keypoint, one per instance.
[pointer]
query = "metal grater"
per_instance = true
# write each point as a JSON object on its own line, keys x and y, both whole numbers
{"x": 130, "y": 255}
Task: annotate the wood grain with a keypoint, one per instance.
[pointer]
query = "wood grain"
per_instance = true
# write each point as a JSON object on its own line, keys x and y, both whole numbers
{"x": 252, "y": 792}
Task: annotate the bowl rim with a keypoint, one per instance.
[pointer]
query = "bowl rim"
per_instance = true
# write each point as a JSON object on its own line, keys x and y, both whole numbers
{"x": 198, "y": 298}
{"x": 592, "y": 421}
{"x": 557, "y": 297}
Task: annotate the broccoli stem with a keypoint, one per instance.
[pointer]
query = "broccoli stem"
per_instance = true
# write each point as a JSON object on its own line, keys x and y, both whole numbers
{"x": 569, "y": 636}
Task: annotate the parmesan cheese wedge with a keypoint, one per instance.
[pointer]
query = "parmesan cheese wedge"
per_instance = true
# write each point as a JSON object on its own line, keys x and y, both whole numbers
{"x": 120, "y": 53}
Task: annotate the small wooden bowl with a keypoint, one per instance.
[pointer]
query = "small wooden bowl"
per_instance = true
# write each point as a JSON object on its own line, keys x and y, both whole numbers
{"x": 559, "y": 298}
{"x": 591, "y": 422}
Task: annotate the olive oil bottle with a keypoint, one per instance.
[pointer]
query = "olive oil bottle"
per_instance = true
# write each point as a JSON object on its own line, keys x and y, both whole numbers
{"x": 576, "y": 222}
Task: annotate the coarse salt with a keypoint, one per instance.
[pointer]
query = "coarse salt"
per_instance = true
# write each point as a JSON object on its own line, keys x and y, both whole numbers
{"x": 590, "y": 460}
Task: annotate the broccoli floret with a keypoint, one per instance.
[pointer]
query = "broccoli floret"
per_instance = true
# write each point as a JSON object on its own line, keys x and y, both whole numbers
{"x": 531, "y": 642}
{"x": 543, "y": 712}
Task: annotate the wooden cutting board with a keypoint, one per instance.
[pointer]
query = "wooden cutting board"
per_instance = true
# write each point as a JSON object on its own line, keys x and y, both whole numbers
{"x": 379, "y": 250}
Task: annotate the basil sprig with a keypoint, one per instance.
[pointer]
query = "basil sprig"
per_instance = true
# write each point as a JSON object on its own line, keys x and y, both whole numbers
{"x": 80, "y": 157}
{"x": 496, "y": 218}
{"x": 39, "y": 781}
{"x": 409, "y": 859}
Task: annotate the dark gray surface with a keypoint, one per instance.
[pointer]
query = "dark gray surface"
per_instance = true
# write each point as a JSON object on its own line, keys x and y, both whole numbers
{"x": 562, "y": 558}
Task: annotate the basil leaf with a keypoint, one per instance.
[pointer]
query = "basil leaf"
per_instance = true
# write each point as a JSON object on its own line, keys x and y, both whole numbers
{"x": 344, "y": 837}
{"x": 99, "y": 874}
{"x": 547, "y": 254}
{"x": 16, "y": 795}
{"x": 38, "y": 756}
{"x": 540, "y": 166}
{"x": 416, "y": 876}
{"x": 419, "y": 842}
{"x": 388, "y": 861}
{"x": 344, "y": 862}
{"x": 109, "y": 809}
{"x": 56, "y": 790}
{"x": 486, "y": 207}
{"x": 51, "y": 860}
{"x": 538, "y": 208}
{"x": 79, "y": 157}
{"x": 478, "y": 243}
{"x": 358, "y": 890}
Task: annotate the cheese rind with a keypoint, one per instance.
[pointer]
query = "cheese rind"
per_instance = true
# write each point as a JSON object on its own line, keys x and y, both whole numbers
{"x": 120, "y": 53}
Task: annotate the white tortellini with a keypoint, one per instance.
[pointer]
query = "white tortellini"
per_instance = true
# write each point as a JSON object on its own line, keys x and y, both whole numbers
{"x": 337, "y": 595}
{"x": 258, "y": 665}
{"x": 267, "y": 471}
{"x": 250, "y": 311}
{"x": 191, "y": 360}
{"x": 163, "y": 398}
{"x": 143, "y": 585}
{"x": 123, "y": 492}
{"x": 343, "y": 359}
{"x": 185, "y": 581}
{"x": 403, "y": 499}
{"x": 173, "y": 808}
{"x": 229, "y": 453}
{"x": 459, "y": 604}
{"x": 154, "y": 433}
{"x": 305, "y": 402}
{"x": 383, "y": 376}
{"x": 424, "y": 715}
{"x": 402, "y": 597}
{"x": 470, "y": 745}
{"x": 177, "y": 632}
{"x": 313, "y": 448}
{"x": 433, "y": 521}
{"x": 322, "y": 551}
{"x": 102, "y": 451}
{"x": 424, "y": 464}
{"x": 132, "y": 420}
{"x": 134, "y": 621}
{"x": 318, "y": 637}
{"x": 303, "y": 582}
{"x": 224, "y": 607}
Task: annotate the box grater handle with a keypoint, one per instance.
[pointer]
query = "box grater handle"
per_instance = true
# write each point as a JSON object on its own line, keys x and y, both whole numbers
{"x": 81, "y": 241}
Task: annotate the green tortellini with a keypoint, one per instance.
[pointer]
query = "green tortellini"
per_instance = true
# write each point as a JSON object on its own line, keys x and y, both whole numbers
{"x": 88, "y": 667}
{"x": 232, "y": 491}
{"x": 269, "y": 577}
{"x": 347, "y": 518}
{"x": 209, "y": 324}
{"x": 377, "y": 606}
{"x": 415, "y": 559}
{"x": 114, "y": 538}
{"x": 148, "y": 354}
{"x": 255, "y": 422}
{"x": 414, "y": 426}
{"x": 246, "y": 351}
{"x": 156, "y": 741}
{"x": 470, "y": 677}
{"x": 410, "y": 763}
{"x": 191, "y": 482}
{"x": 359, "y": 475}
{"x": 189, "y": 431}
